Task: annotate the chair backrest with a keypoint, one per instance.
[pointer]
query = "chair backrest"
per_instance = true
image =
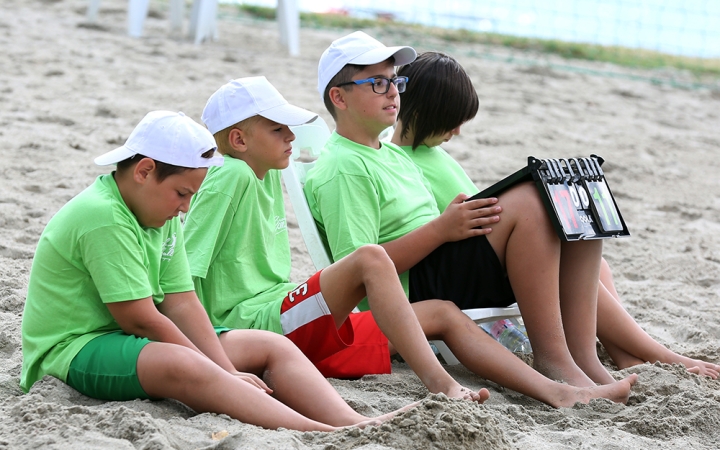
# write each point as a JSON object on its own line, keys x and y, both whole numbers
{"x": 311, "y": 138}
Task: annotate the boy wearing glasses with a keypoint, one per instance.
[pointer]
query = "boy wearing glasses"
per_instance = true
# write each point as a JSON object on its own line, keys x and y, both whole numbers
{"x": 365, "y": 191}
{"x": 239, "y": 253}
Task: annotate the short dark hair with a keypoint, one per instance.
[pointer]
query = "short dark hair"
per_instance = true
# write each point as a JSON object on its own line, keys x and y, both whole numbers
{"x": 344, "y": 76}
{"x": 438, "y": 98}
{"x": 222, "y": 137}
{"x": 162, "y": 170}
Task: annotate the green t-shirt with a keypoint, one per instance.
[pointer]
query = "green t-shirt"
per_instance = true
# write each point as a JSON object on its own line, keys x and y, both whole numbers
{"x": 238, "y": 246}
{"x": 360, "y": 195}
{"x": 92, "y": 252}
{"x": 447, "y": 178}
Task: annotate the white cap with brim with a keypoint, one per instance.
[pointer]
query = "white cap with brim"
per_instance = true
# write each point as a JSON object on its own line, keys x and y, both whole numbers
{"x": 168, "y": 137}
{"x": 360, "y": 49}
{"x": 243, "y": 98}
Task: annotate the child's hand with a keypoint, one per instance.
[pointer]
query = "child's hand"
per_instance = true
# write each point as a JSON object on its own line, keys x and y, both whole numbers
{"x": 254, "y": 380}
{"x": 461, "y": 219}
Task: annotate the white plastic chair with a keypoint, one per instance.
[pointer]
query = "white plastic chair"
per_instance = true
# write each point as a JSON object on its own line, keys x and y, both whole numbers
{"x": 311, "y": 137}
{"x": 203, "y": 20}
{"x": 288, "y": 17}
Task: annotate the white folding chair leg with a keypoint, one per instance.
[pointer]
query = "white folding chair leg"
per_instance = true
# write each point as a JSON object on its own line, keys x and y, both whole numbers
{"x": 137, "y": 12}
{"x": 478, "y": 316}
{"x": 203, "y": 23}
{"x": 92, "y": 11}
{"x": 445, "y": 352}
{"x": 280, "y": 17}
{"x": 288, "y": 17}
{"x": 177, "y": 13}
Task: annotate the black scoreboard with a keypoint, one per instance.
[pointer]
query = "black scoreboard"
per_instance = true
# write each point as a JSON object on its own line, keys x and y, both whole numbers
{"x": 576, "y": 196}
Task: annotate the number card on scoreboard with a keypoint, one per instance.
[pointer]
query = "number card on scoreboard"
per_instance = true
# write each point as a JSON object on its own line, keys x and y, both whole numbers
{"x": 576, "y": 196}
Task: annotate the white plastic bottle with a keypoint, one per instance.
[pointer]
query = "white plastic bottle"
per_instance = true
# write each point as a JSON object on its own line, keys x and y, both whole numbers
{"x": 508, "y": 334}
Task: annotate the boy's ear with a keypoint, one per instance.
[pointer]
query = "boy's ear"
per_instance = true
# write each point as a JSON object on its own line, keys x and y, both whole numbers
{"x": 337, "y": 97}
{"x": 142, "y": 170}
{"x": 237, "y": 139}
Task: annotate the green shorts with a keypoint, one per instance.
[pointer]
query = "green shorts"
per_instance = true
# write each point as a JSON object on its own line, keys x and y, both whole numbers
{"x": 106, "y": 367}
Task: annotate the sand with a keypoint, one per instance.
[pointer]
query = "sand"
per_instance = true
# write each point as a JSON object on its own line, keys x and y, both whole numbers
{"x": 70, "y": 92}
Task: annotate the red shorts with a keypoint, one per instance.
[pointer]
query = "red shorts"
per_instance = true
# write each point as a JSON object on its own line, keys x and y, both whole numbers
{"x": 355, "y": 349}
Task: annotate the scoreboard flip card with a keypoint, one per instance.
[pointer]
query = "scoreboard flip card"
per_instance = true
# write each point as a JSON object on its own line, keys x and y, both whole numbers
{"x": 575, "y": 194}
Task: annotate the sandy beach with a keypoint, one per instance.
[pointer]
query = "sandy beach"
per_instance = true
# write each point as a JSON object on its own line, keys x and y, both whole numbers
{"x": 70, "y": 91}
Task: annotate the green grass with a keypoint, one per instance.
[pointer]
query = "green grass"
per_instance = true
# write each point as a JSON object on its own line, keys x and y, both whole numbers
{"x": 623, "y": 56}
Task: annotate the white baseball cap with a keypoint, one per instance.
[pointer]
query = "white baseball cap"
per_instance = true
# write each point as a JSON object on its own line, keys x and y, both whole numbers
{"x": 361, "y": 49}
{"x": 168, "y": 137}
{"x": 246, "y": 97}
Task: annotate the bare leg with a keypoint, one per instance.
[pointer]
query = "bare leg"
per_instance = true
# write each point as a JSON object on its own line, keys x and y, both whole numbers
{"x": 485, "y": 357}
{"x": 628, "y": 344}
{"x": 579, "y": 273}
{"x": 369, "y": 271}
{"x": 173, "y": 371}
{"x": 528, "y": 247}
{"x": 293, "y": 378}
{"x": 606, "y": 279}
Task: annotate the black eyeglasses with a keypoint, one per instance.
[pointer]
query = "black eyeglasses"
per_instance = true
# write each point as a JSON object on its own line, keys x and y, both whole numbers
{"x": 381, "y": 85}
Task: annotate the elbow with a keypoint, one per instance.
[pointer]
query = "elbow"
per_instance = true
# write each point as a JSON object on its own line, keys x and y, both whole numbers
{"x": 146, "y": 328}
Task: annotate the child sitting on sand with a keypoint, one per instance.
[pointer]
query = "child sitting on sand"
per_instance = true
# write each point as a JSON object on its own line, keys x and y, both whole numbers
{"x": 362, "y": 191}
{"x": 111, "y": 311}
{"x": 436, "y": 103}
{"x": 239, "y": 255}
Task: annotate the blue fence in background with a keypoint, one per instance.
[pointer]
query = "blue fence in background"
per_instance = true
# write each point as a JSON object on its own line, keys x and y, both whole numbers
{"x": 680, "y": 27}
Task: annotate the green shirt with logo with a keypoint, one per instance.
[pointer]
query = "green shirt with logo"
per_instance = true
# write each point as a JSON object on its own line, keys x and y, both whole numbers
{"x": 93, "y": 252}
{"x": 238, "y": 246}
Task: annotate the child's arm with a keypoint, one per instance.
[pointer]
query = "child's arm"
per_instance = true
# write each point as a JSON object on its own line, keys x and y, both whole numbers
{"x": 188, "y": 315}
{"x": 142, "y": 318}
{"x": 459, "y": 221}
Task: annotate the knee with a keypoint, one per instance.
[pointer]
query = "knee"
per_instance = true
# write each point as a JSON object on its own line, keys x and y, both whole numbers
{"x": 180, "y": 365}
{"x": 450, "y": 311}
{"x": 279, "y": 346}
{"x": 373, "y": 257}
{"x": 523, "y": 203}
{"x": 259, "y": 346}
{"x": 446, "y": 314}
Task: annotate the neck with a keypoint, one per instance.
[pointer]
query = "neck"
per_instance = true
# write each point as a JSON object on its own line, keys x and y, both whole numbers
{"x": 260, "y": 174}
{"x": 397, "y": 139}
{"x": 125, "y": 187}
{"x": 362, "y": 136}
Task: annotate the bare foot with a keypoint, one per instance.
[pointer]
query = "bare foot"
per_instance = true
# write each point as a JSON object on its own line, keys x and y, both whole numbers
{"x": 704, "y": 368}
{"x": 375, "y": 421}
{"x": 573, "y": 375}
{"x": 618, "y": 392}
{"x": 696, "y": 366}
{"x": 464, "y": 393}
